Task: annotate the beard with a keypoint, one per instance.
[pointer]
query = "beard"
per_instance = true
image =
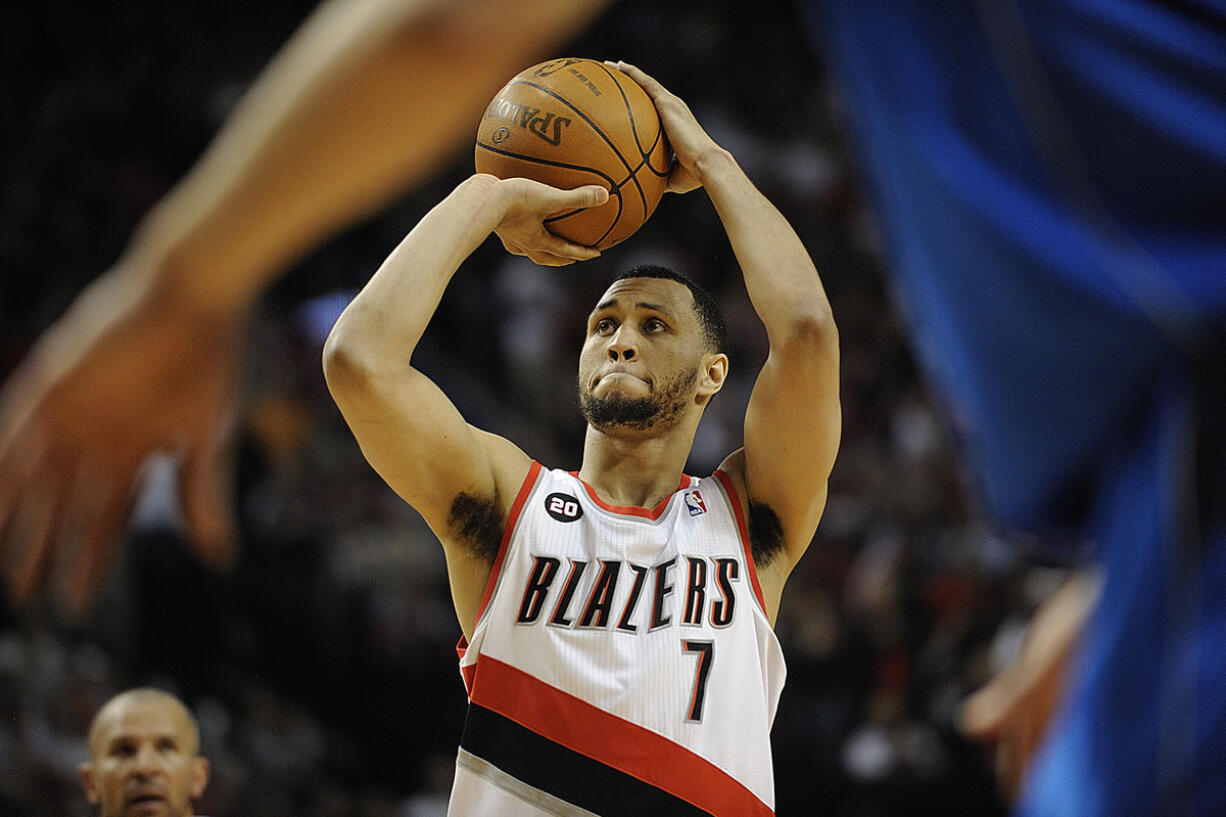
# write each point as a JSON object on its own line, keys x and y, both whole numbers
{"x": 660, "y": 408}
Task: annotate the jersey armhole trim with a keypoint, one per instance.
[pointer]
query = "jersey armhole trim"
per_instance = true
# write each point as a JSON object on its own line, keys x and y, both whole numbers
{"x": 525, "y": 489}
{"x": 734, "y": 499}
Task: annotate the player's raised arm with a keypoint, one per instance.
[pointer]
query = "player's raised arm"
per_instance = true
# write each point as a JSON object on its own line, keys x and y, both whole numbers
{"x": 407, "y": 428}
{"x": 793, "y": 421}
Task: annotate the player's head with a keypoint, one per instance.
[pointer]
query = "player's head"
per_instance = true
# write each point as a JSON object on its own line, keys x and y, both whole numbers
{"x": 710, "y": 316}
{"x": 144, "y": 757}
{"x": 654, "y": 353}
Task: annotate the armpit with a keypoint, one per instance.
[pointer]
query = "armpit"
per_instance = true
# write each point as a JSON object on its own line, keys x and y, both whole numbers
{"x": 765, "y": 533}
{"x": 476, "y": 524}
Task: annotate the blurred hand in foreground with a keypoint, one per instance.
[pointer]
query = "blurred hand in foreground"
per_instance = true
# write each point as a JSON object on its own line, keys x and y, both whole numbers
{"x": 127, "y": 372}
{"x": 1013, "y": 711}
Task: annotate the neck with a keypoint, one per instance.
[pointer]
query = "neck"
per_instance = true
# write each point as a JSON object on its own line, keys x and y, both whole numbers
{"x": 636, "y": 469}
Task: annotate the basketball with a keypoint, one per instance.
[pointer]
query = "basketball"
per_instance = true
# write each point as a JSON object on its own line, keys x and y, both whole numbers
{"x": 570, "y": 122}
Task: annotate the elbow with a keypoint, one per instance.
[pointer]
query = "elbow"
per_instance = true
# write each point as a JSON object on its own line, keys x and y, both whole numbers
{"x": 814, "y": 331}
{"x": 346, "y": 370}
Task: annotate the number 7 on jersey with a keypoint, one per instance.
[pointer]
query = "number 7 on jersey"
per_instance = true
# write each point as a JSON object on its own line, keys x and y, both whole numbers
{"x": 705, "y": 650}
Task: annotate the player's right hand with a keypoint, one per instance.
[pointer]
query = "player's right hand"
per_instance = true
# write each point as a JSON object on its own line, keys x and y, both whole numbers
{"x": 527, "y": 204}
{"x": 125, "y": 373}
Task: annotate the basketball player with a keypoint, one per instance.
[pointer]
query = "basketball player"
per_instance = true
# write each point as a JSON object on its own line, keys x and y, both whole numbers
{"x": 619, "y": 654}
{"x": 144, "y": 760}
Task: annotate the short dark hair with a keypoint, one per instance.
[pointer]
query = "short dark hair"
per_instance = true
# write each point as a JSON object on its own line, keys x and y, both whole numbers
{"x": 710, "y": 317}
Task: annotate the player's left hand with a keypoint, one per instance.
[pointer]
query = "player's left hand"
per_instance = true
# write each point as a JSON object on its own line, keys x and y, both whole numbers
{"x": 688, "y": 139}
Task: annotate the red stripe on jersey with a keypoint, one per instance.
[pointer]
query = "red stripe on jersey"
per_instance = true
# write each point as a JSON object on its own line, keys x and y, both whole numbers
{"x": 516, "y": 508}
{"x": 734, "y": 499}
{"x": 632, "y": 749}
{"x": 634, "y": 510}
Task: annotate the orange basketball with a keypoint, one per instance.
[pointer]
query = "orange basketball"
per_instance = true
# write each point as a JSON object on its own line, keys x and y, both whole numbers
{"x": 571, "y": 122}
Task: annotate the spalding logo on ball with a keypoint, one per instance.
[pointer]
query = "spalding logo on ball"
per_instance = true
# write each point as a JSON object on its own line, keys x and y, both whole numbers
{"x": 570, "y": 122}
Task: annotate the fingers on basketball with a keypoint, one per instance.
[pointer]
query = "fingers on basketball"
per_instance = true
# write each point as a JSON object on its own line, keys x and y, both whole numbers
{"x": 573, "y": 122}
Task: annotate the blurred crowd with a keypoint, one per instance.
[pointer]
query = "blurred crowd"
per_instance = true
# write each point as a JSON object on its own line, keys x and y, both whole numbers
{"x": 322, "y": 667}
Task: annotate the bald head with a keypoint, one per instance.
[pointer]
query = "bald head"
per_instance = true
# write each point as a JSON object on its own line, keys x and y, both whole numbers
{"x": 145, "y": 698}
{"x": 144, "y": 757}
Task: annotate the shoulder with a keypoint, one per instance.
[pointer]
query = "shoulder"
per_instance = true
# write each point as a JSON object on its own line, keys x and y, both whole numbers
{"x": 476, "y": 517}
{"x": 731, "y": 474}
{"x": 510, "y": 466}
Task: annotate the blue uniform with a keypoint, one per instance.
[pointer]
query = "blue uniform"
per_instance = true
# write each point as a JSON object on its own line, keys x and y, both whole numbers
{"x": 1051, "y": 182}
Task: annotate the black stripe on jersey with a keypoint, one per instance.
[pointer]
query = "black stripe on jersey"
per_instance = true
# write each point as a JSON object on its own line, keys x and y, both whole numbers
{"x": 564, "y": 773}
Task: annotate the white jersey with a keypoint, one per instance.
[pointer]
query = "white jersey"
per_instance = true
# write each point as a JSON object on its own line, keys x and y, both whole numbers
{"x": 622, "y": 661}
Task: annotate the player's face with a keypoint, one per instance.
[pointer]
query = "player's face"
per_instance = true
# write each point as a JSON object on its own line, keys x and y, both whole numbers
{"x": 641, "y": 358}
{"x": 145, "y": 762}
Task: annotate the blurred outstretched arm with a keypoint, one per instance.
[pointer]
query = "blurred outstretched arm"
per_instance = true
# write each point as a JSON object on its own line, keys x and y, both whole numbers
{"x": 367, "y": 98}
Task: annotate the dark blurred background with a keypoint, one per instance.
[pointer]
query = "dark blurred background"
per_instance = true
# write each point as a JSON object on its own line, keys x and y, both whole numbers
{"x": 323, "y": 667}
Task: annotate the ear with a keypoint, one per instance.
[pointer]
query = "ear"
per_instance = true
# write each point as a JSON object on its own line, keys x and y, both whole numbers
{"x": 200, "y": 776}
{"x": 86, "y": 770}
{"x": 712, "y": 375}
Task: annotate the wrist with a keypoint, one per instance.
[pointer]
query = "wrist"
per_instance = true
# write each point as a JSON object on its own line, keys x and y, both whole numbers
{"x": 167, "y": 285}
{"x": 714, "y": 164}
{"x": 484, "y": 197}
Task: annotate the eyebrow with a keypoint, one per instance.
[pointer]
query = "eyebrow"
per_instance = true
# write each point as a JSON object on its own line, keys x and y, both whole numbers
{"x": 612, "y": 302}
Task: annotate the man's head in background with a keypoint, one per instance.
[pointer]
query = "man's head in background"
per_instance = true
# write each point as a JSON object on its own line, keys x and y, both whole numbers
{"x": 144, "y": 757}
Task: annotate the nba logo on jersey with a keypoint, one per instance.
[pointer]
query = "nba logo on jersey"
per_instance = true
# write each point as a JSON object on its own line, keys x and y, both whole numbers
{"x": 693, "y": 501}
